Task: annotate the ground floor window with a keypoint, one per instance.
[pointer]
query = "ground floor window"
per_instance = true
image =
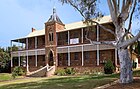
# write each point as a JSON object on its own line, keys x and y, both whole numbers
{"x": 107, "y": 55}
{"x": 41, "y": 60}
{"x": 90, "y": 58}
{"x": 63, "y": 59}
{"x": 15, "y": 61}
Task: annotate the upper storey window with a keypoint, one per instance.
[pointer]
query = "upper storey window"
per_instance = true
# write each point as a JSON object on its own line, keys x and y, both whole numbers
{"x": 75, "y": 36}
{"x": 50, "y": 36}
{"x": 62, "y": 38}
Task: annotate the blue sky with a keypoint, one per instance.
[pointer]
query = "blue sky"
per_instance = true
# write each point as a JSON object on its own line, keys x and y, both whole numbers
{"x": 17, "y": 17}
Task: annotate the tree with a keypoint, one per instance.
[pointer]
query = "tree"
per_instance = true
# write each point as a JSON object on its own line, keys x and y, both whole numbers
{"x": 121, "y": 11}
{"x": 4, "y": 61}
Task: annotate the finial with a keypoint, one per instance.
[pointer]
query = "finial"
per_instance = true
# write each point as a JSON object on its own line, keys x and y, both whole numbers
{"x": 54, "y": 10}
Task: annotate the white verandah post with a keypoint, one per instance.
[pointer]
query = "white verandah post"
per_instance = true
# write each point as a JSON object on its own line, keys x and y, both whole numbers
{"x": 27, "y": 65}
{"x": 98, "y": 55}
{"x": 36, "y": 51}
{"x": 82, "y": 47}
{"x": 68, "y": 49}
{"x": 11, "y": 54}
{"x": 18, "y": 53}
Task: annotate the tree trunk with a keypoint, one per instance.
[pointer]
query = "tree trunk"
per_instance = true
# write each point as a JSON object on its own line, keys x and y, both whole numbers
{"x": 125, "y": 66}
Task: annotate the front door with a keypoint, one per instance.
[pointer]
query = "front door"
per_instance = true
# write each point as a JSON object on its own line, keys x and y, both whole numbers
{"x": 50, "y": 59}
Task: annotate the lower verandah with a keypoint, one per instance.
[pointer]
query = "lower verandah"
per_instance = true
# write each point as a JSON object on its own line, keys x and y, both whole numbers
{"x": 89, "y": 59}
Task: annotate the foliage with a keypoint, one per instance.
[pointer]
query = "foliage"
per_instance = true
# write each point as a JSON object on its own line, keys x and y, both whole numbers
{"x": 109, "y": 67}
{"x": 65, "y": 71}
{"x": 138, "y": 48}
{"x": 87, "y": 8}
{"x": 17, "y": 71}
{"x": 70, "y": 71}
{"x": 136, "y": 73}
{"x": 4, "y": 60}
{"x": 5, "y": 76}
{"x": 13, "y": 48}
{"x": 5, "y": 66}
{"x": 134, "y": 64}
{"x": 60, "y": 72}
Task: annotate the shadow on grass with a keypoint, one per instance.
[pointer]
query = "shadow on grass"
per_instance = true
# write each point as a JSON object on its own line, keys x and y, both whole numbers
{"x": 72, "y": 82}
{"x": 83, "y": 82}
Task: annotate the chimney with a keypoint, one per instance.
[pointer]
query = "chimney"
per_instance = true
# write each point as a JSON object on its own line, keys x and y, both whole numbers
{"x": 33, "y": 29}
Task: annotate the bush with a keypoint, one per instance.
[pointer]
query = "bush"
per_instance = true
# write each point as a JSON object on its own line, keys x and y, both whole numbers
{"x": 60, "y": 72}
{"x": 70, "y": 71}
{"x": 109, "y": 67}
{"x": 65, "y": 71}
{"x": 17, "y": 71}
{"x": 134, "y": 64}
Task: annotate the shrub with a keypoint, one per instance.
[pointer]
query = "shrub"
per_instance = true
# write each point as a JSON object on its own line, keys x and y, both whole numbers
{"x": 60, "y": 72}
{"x": 65, "y": 71}
{"x": 109, "y": 67}
{"x": 70, "y": 71}
{"x": 17, "y": 71}
{"x": 134, "y": 64}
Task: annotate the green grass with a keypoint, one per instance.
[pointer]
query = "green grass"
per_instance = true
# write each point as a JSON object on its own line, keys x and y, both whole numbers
{"x": 73, "y": 82}
{"x": 136, "y": 73}
{"x": 5, "y": 76}
{"x": 61, "y": 82}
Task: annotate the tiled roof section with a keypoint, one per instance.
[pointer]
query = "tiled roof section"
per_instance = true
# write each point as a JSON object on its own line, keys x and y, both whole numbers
{"x": 54, "y": 17}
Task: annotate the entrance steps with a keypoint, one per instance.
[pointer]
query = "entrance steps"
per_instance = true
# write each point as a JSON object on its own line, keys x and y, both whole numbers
{"x": 42, "y": 72}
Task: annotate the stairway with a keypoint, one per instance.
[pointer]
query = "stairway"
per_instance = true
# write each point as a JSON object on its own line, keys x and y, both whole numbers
{"x": 42, "y": 72}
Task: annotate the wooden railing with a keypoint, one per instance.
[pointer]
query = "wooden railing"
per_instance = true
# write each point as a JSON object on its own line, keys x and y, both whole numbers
{"x": 62, "y": 49}
{"x": 28, "y": 52}
{"x": 78, "y": 48}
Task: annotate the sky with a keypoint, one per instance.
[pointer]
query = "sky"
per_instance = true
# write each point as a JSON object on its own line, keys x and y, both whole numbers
{"x": 17, "y": 17}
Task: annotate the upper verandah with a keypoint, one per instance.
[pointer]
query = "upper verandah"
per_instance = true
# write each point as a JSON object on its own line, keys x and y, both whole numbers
{"x": 71, "y": 26}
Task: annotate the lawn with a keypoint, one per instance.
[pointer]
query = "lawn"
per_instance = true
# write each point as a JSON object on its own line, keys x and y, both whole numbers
{"x": 5, "y": 76}
{"x": 70, "y": 82}
{"x": 61, "y": 82}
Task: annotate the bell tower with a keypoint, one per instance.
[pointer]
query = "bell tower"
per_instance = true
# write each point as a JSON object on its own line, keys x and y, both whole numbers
{"x": 51, "y": 26}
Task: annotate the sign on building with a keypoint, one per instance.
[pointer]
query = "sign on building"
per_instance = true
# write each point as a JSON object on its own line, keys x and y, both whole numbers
{"x": 74, "y": 41}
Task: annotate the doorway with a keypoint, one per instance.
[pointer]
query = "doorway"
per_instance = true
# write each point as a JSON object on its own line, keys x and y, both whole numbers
{"x": 50, "y": 59}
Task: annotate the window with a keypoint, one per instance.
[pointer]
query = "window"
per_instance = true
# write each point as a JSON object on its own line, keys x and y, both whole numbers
{"x": 66, "y": 35}
{"x": 76, "y": 56}
{"x": 60, "y": 57}
{"x": 43, "y": 40}
{"x": 66, "y": 56}
{"x": 50, "y": 36}
{"x": 30, "y": 41}
{"x": 86, "y": 56}
{"x": 43, "y": 58}
{"x": 75, "y": 35}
